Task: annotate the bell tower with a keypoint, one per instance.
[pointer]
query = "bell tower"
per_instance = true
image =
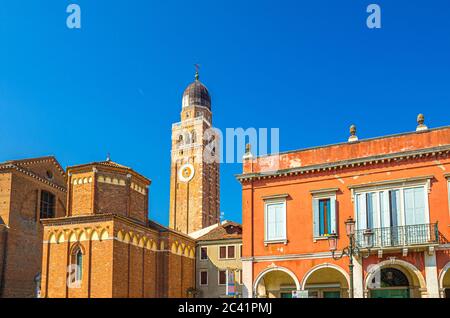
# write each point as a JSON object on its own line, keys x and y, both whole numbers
{"x": 194, "y": 180}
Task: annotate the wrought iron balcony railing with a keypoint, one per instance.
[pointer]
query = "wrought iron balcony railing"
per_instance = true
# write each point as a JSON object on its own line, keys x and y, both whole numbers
{"x": 400, "y": 236}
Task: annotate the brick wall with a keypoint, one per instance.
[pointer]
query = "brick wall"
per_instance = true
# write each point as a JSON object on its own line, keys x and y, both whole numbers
{"x": 24, "y": 245}
{"x": 97, "y": 190}
{"x": 97, "y": 247}
{"x": 81, "y": 200}
{"x": 135, "y": 265}
{"x": 112, "y": 199}
{"x": 3, "y": 239}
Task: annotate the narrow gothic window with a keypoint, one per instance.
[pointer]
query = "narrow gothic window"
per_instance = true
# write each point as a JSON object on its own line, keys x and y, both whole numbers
{"x": 47, "y": 205}
{"x": 77, "y": 262}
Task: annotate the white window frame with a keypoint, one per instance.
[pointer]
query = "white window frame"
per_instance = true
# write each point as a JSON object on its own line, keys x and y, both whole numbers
{"x": 268, "y": 202}
{"x": 200, "y": 252}
{"x": 218, "y": 277}
{"x": 226, "y": 252}
{"x": 320, "y": 195}
{"x": 391, "y": 186}
{"x": 200, "y": 277}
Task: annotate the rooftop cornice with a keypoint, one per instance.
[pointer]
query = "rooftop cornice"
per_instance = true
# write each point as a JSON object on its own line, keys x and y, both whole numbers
{"x": 339, "y": 165}
{"x": 359, "y": 141}
{"x": 237, "y": 240}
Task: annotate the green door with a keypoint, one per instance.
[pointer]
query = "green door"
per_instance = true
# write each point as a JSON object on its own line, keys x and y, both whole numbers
{"x": 331, "y": 294}
{"x": 286, "y": 295}
{"x": 389, "y": 293}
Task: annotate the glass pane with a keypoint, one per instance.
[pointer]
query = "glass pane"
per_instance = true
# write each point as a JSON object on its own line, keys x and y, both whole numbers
{"x": 230, "y": 251}
{"x": 361, "y": 211}
{"x": 322, "y": 217}
{"x": 395, "y": 208}
{"x": 414, "y": 206}
{"x": 204, "y": 253}
{"x": 223, "y": 252}
{"x": 371, "y": 213}
{"x": 222, "y": 277}
{"x": 275, "y": 221}
{"x": 204, "y": 278}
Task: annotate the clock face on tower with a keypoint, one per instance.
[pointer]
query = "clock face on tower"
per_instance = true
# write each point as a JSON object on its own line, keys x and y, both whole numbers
{"x": 186, "y": 172}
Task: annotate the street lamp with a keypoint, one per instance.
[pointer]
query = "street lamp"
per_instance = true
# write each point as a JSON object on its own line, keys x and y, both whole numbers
{"x": 352, "y": 250}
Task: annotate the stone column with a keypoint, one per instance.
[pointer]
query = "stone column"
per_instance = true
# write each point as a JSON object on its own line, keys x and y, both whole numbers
{"x": 358, "y": 277}
{"x": 431, "y": 274}
{"x": 247, "y": 278}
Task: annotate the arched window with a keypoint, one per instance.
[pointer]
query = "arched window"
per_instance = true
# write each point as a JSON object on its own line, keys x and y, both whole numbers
{"x": 194, "y": 136}
{"x": 392, "y": 277}
{"x": 180, "y": 140}
{"x": 47, "y": 205}
{"x": 77, "y": 264}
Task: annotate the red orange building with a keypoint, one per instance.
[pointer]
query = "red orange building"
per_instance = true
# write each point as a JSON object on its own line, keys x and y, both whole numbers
{"x": 397, "y": 187}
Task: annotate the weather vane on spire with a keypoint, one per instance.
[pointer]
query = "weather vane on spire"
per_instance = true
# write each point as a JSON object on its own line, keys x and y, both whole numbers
{"x": 197, "y": 68}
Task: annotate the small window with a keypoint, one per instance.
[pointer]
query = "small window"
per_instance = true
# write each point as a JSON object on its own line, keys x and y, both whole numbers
{"x": 324, "y": 216}
{"x": 240, "y": 276}
{"x": 275, "y": 221}
{"x": 231, "y": 251}
{"x": 203, "y": 253}
{"x": 222, "y": 252}
{"x": 47, "y": 205}
{"x": 203, "y": 278}
{"x": 240, "y": 250}
{"x": 76, "y": 261}
{"x": 222, "y": 277}
{"x": 49, "y": 175}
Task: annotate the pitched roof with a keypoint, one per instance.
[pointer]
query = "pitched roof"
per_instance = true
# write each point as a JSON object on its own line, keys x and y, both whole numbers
{"x": 110, "y": 164}
{"x": 27, "y": 161}
{"x": 225, "y": 231}
{"x": 21, "y": 166}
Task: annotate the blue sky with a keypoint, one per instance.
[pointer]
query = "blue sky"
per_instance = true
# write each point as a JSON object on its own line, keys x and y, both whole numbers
{"x": 310, "y": 68}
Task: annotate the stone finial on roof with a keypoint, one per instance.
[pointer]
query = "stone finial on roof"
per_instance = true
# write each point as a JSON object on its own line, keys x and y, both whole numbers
{"x": 421, "y": 123}
{"x": 353, "y": 136}
{"x": 248, "y": 152}
{"x": 108, "y": 157}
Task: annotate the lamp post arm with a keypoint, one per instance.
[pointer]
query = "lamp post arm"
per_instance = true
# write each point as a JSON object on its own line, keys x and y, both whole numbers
{"x": 345, "y": 252}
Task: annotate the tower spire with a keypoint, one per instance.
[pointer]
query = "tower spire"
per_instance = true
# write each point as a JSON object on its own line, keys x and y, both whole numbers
{"x": 197, "y": 75}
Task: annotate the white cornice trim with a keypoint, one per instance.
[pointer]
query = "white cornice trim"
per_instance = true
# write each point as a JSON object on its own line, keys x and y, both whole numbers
{"x": 290, "y": 257}
{"x": 403, "y": 181}
{"x": 350, "y": 163}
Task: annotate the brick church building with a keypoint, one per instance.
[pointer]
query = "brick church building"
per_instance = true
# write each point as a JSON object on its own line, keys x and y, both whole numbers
{"x": 85, "y": 232}
{"x": 30, "y": 190}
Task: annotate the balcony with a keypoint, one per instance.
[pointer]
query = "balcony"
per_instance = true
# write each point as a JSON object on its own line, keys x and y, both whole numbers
{"x": 400, "y": 236}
